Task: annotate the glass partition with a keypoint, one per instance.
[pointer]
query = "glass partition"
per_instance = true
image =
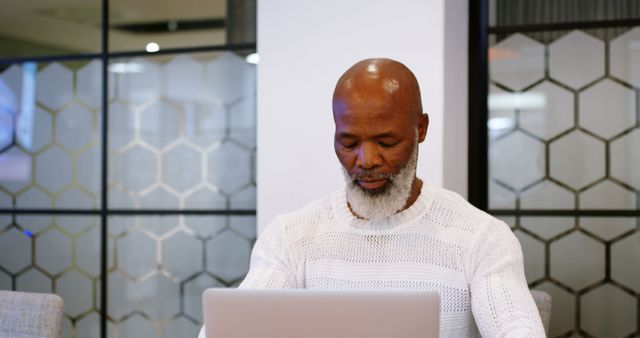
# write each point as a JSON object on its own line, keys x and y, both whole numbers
{"x": 177, "y": 123}
{"x": 563, "y": 134}
{"x": 139, "y": 158}
{"x": 160, "y": 265}
{"x": 50, "y": 135}
{"x": 55, "y": 254}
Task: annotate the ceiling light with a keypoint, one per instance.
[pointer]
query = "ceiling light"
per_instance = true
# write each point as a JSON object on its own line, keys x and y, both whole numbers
{"x": 253, "y": 58}
{"x": 500, "y": 123}
{"x": 523, "y": 101}
{"x": 153, "y": 47}
{"x": 126, "y": 67}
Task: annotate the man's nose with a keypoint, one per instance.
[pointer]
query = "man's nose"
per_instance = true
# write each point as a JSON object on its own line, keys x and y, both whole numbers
{"x": 368, "y": 156}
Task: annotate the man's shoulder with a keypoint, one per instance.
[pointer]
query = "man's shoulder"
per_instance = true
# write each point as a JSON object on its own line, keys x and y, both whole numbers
{"x": 450, "y": 210}
{"x": 314, "y": 213}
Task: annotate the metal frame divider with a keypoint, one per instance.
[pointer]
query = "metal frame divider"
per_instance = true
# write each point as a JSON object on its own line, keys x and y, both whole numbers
{"x": 478, "y": 111}
{"x": 104, "y": 231}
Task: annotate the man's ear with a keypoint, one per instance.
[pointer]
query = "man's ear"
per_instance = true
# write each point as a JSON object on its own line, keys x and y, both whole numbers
{"x": 423, "y": 125}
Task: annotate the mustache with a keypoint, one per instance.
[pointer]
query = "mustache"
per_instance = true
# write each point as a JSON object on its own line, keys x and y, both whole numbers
{"x": 369, "y": 175}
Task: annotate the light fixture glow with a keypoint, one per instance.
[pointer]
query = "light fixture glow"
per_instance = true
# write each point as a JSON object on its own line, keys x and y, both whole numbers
{"x": 153, "y": 47}
{"x": 126, "y": 67}
{"x": 522, "y": 101}
{"x": 500, "y": 123}
{"x": 253, "y": 58}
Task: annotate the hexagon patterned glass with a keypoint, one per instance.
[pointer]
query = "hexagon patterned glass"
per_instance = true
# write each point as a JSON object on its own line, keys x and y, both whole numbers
{"x": 185, "y": 126}
{"x": 564, "y": 139}
{"x": 49, "y": 254}
{"x": 181, "y": 135}
{"x": 54, "y": 128}
{"x": 192, "y": 253}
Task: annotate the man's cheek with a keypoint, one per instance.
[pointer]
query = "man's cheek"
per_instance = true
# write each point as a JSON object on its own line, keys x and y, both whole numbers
{"x": 398, "y": 160}
{"x": 347, "y": 161}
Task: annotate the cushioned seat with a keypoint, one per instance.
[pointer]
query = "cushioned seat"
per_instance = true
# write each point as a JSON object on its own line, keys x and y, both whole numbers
{"x": 30, "y": 315}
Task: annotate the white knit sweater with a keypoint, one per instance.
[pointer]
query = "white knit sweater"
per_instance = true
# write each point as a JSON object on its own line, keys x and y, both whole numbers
{"x": 441, "y": 243}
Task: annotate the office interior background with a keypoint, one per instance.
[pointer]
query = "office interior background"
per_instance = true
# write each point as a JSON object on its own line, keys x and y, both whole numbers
{"x": 133, "y": 135}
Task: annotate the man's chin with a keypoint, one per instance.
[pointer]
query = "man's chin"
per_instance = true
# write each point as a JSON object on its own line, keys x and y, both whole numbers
{"x": 373, "y": 184}
{"x": 373, "y": 192}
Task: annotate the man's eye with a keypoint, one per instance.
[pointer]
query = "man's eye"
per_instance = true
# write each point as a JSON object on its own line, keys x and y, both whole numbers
{"x": 387, "y": 145}
{"x": 349, "y": 145}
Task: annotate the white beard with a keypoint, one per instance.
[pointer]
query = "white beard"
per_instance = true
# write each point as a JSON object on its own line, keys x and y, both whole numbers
{"x": 380, "y": 205}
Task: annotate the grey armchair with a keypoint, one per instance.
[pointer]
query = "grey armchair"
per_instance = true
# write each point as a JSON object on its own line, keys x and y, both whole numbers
{"x": 543, "y": 302}
{"x": 30, "y": 315}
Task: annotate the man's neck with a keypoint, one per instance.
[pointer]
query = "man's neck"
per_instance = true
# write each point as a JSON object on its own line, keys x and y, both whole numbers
{"x": 416, "y": 187}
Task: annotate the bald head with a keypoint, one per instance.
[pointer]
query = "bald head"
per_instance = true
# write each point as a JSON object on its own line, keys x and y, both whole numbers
{"x": 385, "y": 80}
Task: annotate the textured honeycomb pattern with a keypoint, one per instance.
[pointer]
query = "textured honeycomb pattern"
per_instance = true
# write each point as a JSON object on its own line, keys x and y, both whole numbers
{"x": 58, "y": 254}
{"x": 181, "y": 136}
{"x": 160, "y": 265}
{"x": 61, "y": 161}
{"x": 181, "y": 131}
{"x": 565, "y": 134}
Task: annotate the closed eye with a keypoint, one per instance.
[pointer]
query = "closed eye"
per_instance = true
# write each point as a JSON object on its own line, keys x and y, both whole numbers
{"x": 349, "y": 145}
{"x": 387, "y": 144}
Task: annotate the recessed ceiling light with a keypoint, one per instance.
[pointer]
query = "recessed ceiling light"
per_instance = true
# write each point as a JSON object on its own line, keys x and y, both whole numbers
{"x": 153, "y": 47}
{"x": 126, "y": 67}
{"x": 253, "y": 58}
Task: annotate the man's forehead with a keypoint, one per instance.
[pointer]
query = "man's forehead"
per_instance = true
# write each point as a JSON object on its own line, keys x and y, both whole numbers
{"x": 369, "y": 96}
{"x": 369, "y": 112}
{"x": 372, "y": 122}
{"x": 361, "y": 101}
{"x": 359, "y": 82}
{"x": 370, "y": 107}
{"x": 345, "y": 133}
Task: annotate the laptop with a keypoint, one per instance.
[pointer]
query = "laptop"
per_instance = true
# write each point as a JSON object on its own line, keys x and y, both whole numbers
{"x": 296, "y": 313}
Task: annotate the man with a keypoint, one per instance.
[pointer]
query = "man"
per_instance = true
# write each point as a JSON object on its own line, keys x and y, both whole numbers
{"x": 389, "y": 230}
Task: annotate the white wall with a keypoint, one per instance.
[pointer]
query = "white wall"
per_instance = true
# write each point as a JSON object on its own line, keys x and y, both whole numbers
{"x": 305, "y": 46}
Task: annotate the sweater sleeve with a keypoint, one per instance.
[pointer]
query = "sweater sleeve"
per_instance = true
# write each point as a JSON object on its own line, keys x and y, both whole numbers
{"x": 500, "y": 298}
{"x": 272, "y": 262}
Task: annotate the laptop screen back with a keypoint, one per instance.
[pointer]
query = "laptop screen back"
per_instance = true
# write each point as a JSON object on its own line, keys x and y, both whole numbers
{"x": 289, "y": 313}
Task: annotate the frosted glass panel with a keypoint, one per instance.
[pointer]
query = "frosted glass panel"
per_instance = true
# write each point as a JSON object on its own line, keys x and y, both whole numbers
{"x": 514, "y": 167}
{"x": 518, "y": 62}
{"x": 575, "y": 250}
{"x": 182, "y": 133}
{"x": 619, "y": 109}
{"x": 576, "y": 59}
{"x": 625, "y": 159}
{"x": 51, "y": 120}
{"x": 55, "y": 254}
{"x": 577, "y": 160}
{"x": 552, "y": 115}
{"x": 176, "y": 257}
{"x": 564, "y": 135}
{"x": 564, "y": 120}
